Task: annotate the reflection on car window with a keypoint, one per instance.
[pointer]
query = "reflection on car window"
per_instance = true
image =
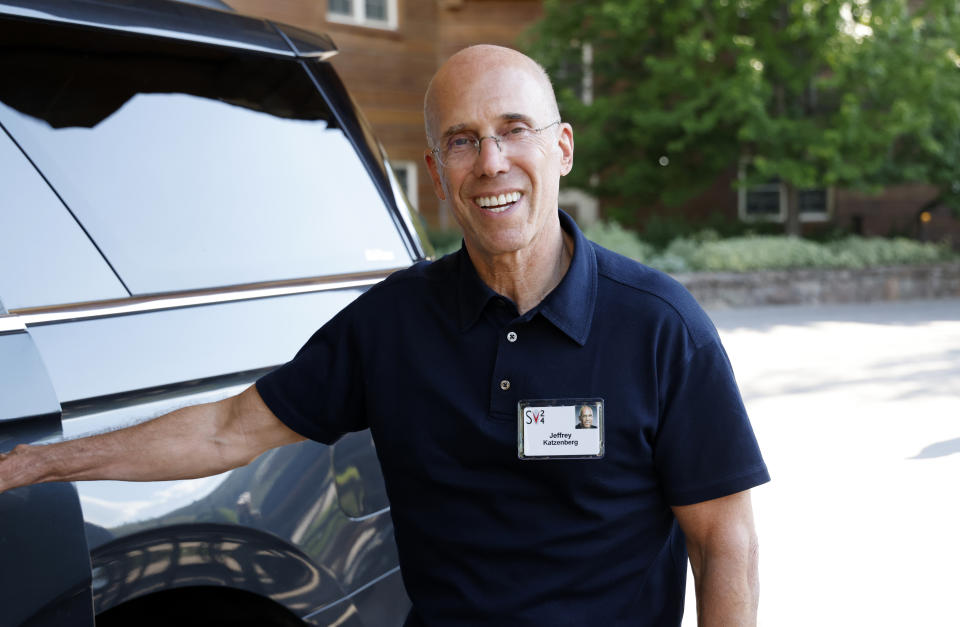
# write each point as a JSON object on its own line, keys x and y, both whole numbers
{"x": 45, "y": 257}
{"x": 191, "y": 168}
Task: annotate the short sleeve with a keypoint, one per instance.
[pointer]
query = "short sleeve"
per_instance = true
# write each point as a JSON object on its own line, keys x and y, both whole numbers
{"x": 705, "y": 446}
{"x": 319, "y": 393}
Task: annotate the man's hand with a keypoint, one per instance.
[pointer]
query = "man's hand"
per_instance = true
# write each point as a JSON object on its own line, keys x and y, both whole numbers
{"x": 724, "y": 555}
{"x": 192, "y": 442}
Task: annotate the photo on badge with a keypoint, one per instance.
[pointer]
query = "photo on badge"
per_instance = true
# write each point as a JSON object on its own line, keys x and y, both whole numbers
{"x": 586, "y": 417}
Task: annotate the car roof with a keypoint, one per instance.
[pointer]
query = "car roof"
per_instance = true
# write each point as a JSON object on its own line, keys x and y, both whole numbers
{"x": 178, "y": 20}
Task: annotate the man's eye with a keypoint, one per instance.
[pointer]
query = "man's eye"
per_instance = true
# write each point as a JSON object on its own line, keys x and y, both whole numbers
{"x": 459, "y": 141}
{"x": 516, "y": 132}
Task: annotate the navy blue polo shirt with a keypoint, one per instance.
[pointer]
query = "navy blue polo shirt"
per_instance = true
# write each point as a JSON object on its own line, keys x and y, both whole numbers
{"x": 434, "y": 363}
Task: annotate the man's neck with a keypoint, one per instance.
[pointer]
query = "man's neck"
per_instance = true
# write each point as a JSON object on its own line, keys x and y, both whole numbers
{"x": 527, "y": 276}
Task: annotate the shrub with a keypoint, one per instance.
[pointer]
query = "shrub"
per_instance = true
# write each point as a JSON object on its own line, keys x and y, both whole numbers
{"x": 771, "y": 252}
{"x": 668, "y": 262}
{"x": 444, "y": 240}
{"x": 660, "y": 230}
{"x": 620, "y": 240}
{"x": 706, "y": 251}
{"x": 864, "y": 252}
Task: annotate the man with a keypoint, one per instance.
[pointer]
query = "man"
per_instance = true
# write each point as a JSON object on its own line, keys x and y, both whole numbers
{"x": 586, "y": 418}
{"x": 485, "y": 537}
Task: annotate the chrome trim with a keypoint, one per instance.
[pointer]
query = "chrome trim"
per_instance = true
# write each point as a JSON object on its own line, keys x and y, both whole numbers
{"x": 306, "y": 44}
{"x": 11, "y": 324}
{"x": 19, "y": 319}
{"x": 322, "y": 56}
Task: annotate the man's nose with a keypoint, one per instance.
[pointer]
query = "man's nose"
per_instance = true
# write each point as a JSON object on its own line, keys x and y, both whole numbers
{"x": 491, "y": 161}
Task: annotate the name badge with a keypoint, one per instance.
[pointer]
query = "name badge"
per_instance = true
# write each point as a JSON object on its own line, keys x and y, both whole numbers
{"x": 566, "y": 428}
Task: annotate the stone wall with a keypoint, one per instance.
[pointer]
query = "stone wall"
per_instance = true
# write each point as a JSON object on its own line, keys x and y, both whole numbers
{"x": 819, "y": 286}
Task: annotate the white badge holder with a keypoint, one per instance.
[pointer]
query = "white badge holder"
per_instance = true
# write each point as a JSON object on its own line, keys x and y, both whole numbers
{"x": 563, "y": 428}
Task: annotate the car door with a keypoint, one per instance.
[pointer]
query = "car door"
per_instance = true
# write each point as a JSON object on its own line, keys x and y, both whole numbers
{"x": 45, "y": 572}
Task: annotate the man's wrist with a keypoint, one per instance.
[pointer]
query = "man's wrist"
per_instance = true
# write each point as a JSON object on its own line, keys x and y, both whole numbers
{"x": 18, "y": 467}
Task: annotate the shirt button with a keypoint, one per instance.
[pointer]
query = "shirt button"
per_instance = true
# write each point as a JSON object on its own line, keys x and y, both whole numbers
{"x": 511, "y": 336}
{"x": 504, "y": 385}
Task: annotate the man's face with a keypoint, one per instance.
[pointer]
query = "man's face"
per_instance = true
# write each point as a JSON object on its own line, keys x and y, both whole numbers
{"x": 586, "y": 417}
{"x": 485, "y": 99}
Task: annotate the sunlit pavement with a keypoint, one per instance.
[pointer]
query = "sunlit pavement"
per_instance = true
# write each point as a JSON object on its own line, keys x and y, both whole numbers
{"x": 857, "y": 410}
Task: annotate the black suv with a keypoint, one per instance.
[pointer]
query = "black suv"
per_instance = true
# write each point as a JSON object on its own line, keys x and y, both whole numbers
{"x": 185, "y": 196}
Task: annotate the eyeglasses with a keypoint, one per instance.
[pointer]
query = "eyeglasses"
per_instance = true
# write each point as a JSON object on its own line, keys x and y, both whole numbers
{"x": 462, "y": 149}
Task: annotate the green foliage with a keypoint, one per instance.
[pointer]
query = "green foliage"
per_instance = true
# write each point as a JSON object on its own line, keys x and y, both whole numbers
{"x": 778, "y": 252}
{"x": 661, "y": 229}
{"x": 697, "y": 248}
{"x": 707, "y": 251}
{"x": 444, "y": 240}
{"x": 814, "y": 92}
{"x": 769, "y": 252}
{"x": 860, "y": 252}
{"x": 613, "y": 236}
{"x": 917, "y": 50}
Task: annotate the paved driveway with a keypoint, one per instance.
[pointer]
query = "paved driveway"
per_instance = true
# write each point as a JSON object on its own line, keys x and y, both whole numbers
{"x": 857, "y": 410}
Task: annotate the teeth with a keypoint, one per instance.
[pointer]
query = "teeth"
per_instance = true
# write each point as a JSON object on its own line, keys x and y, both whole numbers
{"x": 498, "y": 201}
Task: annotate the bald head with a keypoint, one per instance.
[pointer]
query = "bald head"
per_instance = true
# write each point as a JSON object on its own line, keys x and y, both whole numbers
{"x": 469, "y": 65}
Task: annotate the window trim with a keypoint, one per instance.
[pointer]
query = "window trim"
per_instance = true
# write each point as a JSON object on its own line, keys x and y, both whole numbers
{"x": 20, "y": 319}
{"x": 359, "y": 16}
{"x": 742, "y": 194}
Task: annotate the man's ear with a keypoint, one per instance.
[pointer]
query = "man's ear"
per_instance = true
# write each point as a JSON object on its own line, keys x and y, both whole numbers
{"x": 433, "y": 167}
{"x": 565, "y": 141}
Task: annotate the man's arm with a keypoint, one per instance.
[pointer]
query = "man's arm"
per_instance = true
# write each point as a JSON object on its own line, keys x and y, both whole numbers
{"x": 192, "y": 442}
{"x": 724, "y": 555}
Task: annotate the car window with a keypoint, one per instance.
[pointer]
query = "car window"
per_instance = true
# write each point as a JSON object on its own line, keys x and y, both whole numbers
{"x": 192, "y": 167}
{"x": 45, "y": 257}
{"x": 112, "y": 355}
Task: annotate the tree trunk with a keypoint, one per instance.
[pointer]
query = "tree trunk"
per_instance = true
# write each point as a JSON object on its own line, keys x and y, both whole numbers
{"x": 792, "y": 221}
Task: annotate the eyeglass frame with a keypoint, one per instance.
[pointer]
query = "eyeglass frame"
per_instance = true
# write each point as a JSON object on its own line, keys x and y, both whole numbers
{"x": 478, "y": 142}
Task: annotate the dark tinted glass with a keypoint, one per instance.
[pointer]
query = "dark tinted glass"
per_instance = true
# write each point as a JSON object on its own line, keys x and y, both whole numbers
{"x": 45, "y": 257}
{"x": 765, "y": 202}
{"x": 104, "y": 356}
{"x": 190, "y": 166}
{"x": 812, "y": 200}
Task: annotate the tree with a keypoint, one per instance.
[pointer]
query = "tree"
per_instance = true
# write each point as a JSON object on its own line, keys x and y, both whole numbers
{"x": 918, "y": 52}
{"x": 814, "y": 93}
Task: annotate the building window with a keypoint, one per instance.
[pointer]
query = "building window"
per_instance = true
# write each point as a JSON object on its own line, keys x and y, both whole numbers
{"x": 576, "y": 71}
{"x": 406, "y": 172}
{"x": 372, "y": 13}
{"x": 767, "y": 202}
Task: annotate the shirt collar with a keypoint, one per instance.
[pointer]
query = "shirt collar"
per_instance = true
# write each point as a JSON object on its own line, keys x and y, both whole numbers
{"x": 569, "y": 306}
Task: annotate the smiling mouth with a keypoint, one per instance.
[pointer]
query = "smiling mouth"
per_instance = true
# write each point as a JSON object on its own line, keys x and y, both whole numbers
{"x": 500, "y": 203}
